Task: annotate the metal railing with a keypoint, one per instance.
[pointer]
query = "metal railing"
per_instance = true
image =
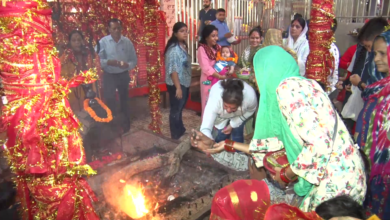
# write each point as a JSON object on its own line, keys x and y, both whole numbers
{"x": 243, "y": 15}
{"x": 361, "y": 10}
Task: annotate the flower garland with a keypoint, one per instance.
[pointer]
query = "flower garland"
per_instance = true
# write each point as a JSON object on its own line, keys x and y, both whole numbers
{"x": 92, "y": 113}
{"x": 233, "y": 59}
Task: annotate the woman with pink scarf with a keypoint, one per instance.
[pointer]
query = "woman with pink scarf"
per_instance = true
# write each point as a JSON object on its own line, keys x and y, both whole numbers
{"x": 207, "y": 51}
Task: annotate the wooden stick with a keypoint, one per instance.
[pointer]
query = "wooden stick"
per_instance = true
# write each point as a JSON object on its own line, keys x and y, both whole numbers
{"x": 172, "y": 158}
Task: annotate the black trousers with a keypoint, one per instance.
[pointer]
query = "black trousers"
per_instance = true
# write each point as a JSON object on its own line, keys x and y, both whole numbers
{"x": 120, "y": 82}
{"x": 175, "y": 115}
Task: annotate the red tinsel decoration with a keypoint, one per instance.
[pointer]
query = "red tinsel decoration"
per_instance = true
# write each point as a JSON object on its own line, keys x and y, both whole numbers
{"x": 44, "y": 147}
{"x": 154, "y": 59}
{"x": 320, "y": 61}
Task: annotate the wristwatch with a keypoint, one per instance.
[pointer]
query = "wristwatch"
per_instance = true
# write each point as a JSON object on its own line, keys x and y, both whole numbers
{"x": 360, "y": 87}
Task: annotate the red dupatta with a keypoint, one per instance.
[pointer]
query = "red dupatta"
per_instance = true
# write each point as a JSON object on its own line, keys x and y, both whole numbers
{"x": 243, "y": 199}
{"x": 284, "y": 212}
{"x": 209, "y": 51}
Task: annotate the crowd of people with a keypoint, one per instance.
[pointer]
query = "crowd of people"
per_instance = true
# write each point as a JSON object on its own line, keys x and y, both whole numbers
{"x": 306, "y": 157}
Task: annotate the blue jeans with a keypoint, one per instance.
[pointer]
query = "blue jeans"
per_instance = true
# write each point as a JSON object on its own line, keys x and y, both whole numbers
{"x": 237, "y": 134}
{"x": 175, "y": 115}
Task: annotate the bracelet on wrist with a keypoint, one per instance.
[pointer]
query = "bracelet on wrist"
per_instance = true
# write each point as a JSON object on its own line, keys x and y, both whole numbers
{"x": 288, "y": 178}
{"x": 229, "y": 146}
{"x": 283, "y": 176}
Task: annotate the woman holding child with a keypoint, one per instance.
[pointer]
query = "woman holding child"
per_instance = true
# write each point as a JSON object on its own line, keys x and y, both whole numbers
{"x": 207, "y": 51}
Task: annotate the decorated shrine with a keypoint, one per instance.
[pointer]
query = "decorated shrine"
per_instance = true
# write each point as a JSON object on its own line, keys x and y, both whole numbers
{"x": 143, "y": 23}
{"x": 154, "y": 176}
{"x": 44, "y": 146}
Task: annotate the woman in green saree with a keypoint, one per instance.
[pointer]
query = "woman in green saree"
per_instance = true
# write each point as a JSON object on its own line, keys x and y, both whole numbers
{"x": 296, "y": 115}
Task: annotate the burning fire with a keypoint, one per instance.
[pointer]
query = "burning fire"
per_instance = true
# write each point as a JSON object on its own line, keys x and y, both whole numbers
{"x": 133, "y": 201}
{"x": 136, "y": 204}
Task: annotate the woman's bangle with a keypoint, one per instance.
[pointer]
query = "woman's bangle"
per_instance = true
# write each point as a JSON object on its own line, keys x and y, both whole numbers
{"x": 289, "y": 179}
{"x": 229, "y": 146}
{"x": 283, "y": 176}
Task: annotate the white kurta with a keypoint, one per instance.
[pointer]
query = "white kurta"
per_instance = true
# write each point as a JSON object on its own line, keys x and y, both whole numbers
{"x": 301, "y": 47}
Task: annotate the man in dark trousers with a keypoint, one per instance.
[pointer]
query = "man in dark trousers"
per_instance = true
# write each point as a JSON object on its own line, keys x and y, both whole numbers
{"x": 117, "y": 58}
{"x": 206, "y": 16}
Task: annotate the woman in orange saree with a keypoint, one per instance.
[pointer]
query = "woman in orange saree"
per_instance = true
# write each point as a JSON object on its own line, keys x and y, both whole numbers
{"x": 75, "y": 59}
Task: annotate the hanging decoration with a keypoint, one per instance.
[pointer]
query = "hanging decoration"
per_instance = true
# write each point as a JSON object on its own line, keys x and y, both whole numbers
{"x": 143, "y": 23}
{"x": 153, "y": 25}
{"x": 268, "y": 4}
{"x": 44, "y": 147}
{"x": 320, "y": 61}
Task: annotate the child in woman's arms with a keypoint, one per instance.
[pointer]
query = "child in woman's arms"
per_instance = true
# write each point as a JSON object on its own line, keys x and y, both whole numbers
{"x": 226, "y": 60}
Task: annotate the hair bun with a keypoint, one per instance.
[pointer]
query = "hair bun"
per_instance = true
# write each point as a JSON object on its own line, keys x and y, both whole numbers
{"x": 238, "y": 84}
{"x": 233, "y": 84}
{"x": 233, "y": 91}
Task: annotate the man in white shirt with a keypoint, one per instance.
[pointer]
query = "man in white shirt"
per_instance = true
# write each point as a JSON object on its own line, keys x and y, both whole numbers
{"x": 117, "y": 58}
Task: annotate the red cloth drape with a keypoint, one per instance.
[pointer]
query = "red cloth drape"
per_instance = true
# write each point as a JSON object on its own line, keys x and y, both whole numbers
{"x": 43, "y": 146}
{"x": 287, "y": 212}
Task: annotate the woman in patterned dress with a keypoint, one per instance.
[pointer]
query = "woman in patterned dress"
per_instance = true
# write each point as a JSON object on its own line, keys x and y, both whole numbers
{"x": 295, "y": 114}
{"x": 177, "y": 77}
{"x": 376, "y": 125}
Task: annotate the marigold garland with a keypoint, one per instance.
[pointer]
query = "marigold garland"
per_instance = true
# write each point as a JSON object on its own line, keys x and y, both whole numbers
{"x": 233, "y": 59}
{"x": 92, "y": 113}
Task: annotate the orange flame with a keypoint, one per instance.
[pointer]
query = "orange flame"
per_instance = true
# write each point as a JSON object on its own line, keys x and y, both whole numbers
{"x": 134, "y": 202}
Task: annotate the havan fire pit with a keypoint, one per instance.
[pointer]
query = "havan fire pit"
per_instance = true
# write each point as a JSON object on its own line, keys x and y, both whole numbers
{"x": 160, "y": 179}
